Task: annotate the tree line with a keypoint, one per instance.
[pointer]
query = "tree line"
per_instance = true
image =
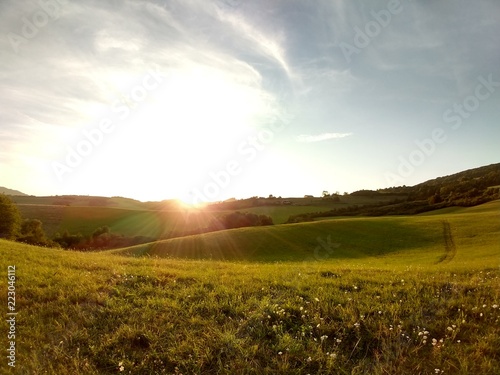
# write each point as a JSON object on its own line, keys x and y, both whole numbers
{"x": 14, "y": 227}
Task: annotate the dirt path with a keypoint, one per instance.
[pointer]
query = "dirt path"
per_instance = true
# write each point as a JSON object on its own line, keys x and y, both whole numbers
{"x": 450, "y": 250}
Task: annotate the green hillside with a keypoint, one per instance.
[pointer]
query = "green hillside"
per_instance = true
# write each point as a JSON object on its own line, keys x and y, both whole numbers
{"x": 152, "y": 219}
{"x": 474, "y": 231}
{"x": 399, "y": 295}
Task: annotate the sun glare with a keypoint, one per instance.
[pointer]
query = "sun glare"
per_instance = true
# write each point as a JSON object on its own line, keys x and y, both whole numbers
{"x": 187, "y": 128}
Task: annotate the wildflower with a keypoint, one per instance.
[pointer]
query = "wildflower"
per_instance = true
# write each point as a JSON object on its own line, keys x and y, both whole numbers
{"x": 338, "y": 341}
{"x": 280, "y": 353}
{"x": 120, "y": 366}
{"x": 449, "y": 329}
{"x": 434, "y": 341}
{"x": 316, "y": 299}
{"x": 309, "y": 359}
{"x": 323, "y": 338}
{"x": 495, "y": 306}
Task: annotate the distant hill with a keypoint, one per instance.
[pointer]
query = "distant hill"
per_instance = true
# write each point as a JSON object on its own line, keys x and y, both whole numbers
{"x": 464, "y": 189}
{"x": 4, "y": 190}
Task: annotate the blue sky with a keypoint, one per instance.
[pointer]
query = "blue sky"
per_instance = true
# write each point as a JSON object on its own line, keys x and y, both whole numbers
{"x": 206, "y": 100}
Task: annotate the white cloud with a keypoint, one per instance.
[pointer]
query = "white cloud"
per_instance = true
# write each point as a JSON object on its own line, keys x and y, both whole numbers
{"x": 321, "y": 137}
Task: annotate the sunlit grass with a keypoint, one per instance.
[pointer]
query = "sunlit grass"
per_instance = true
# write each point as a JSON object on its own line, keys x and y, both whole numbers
{"x": 402, "y": 311}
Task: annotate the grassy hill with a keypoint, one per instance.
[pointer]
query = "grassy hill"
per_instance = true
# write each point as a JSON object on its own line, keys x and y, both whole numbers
{"x": 151, "y": 219}
{"x": 399, "y": 295}
{"x": 345, "y": 238}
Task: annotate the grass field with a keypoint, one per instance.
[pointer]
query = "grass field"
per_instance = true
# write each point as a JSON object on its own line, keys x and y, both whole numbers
{"x": 472, "y": 230}
{"x": 399, "y": 295}
{"x": 133, "y": 218}
{"x": 128, "y": 222}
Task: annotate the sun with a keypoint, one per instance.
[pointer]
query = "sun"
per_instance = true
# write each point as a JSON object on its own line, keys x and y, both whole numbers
{"x": 187, "y": 128}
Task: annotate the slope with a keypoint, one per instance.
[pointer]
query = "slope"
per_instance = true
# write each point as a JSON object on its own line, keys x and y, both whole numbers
{"x": 475, "y": 231}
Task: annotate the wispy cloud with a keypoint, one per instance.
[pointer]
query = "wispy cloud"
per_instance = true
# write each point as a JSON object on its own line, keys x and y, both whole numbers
{"x": 304, "y": 138}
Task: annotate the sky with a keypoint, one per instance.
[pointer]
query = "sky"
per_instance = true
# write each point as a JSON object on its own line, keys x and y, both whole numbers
{"x": 205, "y": 100}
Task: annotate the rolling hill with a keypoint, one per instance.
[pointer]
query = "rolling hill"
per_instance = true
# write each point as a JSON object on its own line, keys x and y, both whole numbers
{"x": 388, "y": 295}
{"x": 474, "y": 231}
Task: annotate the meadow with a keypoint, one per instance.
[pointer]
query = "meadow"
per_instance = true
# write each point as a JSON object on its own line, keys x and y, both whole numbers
{"x": 388, "y": 295}
{"x": 82, "y": 214}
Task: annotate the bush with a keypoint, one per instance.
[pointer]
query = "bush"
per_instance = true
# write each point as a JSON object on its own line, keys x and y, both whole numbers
{"x": 32, "y": 233}
{"x": 239, "y": 220}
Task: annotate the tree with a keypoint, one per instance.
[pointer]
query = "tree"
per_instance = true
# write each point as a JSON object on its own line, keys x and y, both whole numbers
{"x": 100, "y": 231}
{"x": 10, "y": 218}
{"x": 67, "y": 240}
{"x": 33, "y": 234}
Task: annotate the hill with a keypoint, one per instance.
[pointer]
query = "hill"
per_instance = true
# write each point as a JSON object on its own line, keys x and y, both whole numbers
{"x": 149, "y": 221}
{"x": 6, "y": 191}
{"x": 461, "y": 188}
{"x": 465, "y": 189}
{"x": 409, "y": 295}
{"x": 346, "y": 238}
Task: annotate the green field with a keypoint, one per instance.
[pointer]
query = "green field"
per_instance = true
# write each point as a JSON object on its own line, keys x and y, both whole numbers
{"x": 389, "y": 295}
{"x": 81, "y": 219}
{"x": 472, "y": 229}
{"x": 152, "y": 219}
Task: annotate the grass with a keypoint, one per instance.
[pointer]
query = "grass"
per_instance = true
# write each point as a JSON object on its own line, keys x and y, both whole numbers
{"x": 128, "y": 222}
{"x": 133, "y": 218}
{"x": 475, "y": 232}
{"x": 386, "y": 301}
